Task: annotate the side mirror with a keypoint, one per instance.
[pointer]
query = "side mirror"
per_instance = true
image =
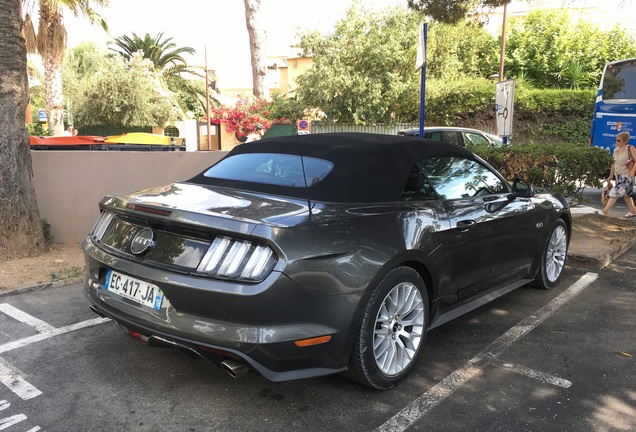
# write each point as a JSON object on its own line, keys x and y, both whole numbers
{"x": 521, "y": 188}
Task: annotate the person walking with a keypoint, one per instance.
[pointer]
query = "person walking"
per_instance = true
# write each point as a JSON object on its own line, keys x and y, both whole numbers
{"x": 622, "y": 171}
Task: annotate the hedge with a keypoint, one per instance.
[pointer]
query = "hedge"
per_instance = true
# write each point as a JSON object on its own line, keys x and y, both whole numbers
{"x": 564, "y": 168}
{"x": 540, "y": 115}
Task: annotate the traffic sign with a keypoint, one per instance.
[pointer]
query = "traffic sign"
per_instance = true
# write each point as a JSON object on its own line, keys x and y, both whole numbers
{"x": 304, "y": 125}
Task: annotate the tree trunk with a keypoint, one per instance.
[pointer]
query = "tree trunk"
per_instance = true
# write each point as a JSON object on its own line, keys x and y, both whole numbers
{"x": 54, "y": 98}
{"x": 20, "y": 227}
{"x": 52, "y": 56}
{"x": 258, "y": 43}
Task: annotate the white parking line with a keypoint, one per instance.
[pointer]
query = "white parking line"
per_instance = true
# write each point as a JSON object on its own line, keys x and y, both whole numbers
{"x": 49, "y": 334}
{"x": 25, "y": 318}
{"x": 14, "y": 381}
{"x": 416, "y": 409}
{"x": 11, "y": 377}
{"x": 531, "y": 373}
{"x": 13, "y": 420}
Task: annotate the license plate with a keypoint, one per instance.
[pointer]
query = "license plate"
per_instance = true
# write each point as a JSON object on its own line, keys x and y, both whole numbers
{"x": 134, "y": 289}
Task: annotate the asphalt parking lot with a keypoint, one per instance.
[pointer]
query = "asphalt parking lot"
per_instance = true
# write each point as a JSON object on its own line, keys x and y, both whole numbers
{"x": 559, "y": 360}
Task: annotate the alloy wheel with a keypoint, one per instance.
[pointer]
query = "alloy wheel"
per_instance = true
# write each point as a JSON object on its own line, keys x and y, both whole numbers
{"x": 399, "y": 326}
{"x": 556, "y": 253}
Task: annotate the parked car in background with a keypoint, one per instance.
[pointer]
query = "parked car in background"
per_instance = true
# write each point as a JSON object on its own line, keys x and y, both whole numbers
{"x": 310, "y": 255}
{"x": 455, "y": 135}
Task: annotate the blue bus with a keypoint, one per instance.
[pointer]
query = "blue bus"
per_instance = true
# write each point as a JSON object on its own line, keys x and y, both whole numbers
{"x": 615, "y": 107}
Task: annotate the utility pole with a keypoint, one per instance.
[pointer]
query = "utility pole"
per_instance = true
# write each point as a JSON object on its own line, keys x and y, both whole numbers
{"x": 207, "y": 99}
{"x": 503, "y": 43}
{"x": 502, "y": 54}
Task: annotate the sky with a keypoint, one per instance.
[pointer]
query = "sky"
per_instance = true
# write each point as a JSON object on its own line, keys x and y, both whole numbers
{"x": 218, "y": 26}
{"x": 215, "y": 25}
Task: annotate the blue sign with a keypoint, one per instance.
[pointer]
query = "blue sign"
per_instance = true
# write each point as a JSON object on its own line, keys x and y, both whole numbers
{"x": 42, "y": 115}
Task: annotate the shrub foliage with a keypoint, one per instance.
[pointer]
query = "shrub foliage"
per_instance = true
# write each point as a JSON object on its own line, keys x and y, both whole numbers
{"x": 564, "y": 168}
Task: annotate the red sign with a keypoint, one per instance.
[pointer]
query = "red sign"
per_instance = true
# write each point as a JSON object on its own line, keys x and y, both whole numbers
{"x": 303, "y": 125}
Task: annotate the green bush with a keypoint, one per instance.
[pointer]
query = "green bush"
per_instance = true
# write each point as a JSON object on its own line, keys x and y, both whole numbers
{"x": 36, "y": 129}
{"x": 290, "y": 109}
{"x": 540, "y": 115}
{"x": 572, "y": 130}
{"x": 564, "y": 168}
{"x": 550, "y": 102}
{"x": 46, "y": 230}
{"x": 450, "y": 104}
{"x": 554, "y": 116}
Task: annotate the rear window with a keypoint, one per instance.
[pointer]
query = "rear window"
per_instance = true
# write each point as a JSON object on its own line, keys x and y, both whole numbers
{"x": 272, "y": 168}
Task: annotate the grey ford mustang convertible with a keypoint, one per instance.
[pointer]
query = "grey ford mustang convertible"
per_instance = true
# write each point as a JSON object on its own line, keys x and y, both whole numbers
{"x": 319, "y": 254}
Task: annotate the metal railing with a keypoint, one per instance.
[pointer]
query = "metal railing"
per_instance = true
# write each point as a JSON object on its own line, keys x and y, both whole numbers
{"x": 377, "y": 129}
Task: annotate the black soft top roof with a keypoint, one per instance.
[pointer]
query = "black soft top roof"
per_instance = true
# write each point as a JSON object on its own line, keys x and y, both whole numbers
{"x": 367, "y": 167}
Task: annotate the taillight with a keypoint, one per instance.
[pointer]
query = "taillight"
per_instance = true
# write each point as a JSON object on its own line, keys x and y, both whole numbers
{"x": 230, "y": 258}
{"x": 101, "y": 225}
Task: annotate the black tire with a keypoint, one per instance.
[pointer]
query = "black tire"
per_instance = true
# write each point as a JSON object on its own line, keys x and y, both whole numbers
{"x": 553, "y": 257}
{"x": 392, "y": 331}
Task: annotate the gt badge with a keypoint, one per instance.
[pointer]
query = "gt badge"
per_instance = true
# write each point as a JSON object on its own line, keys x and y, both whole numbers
{"x": 142, "y": 241}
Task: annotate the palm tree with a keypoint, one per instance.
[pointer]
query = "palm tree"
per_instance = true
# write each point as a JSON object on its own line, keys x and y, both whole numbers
{"x": 168, "y": 60}
{"x": 163, "y": 53}
{"x": 21, "y": 229}
{"x": 50, "y": 43}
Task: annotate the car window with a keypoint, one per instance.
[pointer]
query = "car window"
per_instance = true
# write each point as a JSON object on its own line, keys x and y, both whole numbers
{"x": 271, "y": 168}
{"x": 437, "y": 136}
{"x": 417, "y": 187}
{"x": 451, "y": 137}
{"x": 475, "y": 139}
{"x": 454, "y": 177}
{"x": 495, "y": 139}
{"x": 409, "y": 132}
{"x": 443, "y": 136}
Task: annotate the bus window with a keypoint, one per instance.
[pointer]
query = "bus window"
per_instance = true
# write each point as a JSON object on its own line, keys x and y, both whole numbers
{"x": 615, "y": 107}
{"x": 619, "y": 82}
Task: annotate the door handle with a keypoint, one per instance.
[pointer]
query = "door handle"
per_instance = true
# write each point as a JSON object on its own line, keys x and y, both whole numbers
{"x": 499, "y": 199}
{"x": 466, "y": 225}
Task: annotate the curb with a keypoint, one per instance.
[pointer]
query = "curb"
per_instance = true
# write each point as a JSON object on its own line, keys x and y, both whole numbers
{"x": 599, "y": 262}
{"x": 41, "y": 287}
{"x": 591, "y": 254}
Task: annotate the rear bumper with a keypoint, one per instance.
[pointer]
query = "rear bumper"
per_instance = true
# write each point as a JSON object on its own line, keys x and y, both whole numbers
{"x": 219, "y": 320}
{"x": 217, "y": 354}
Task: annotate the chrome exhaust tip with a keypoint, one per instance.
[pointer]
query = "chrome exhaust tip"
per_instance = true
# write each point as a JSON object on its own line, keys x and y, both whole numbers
{"x": 235, "y": 368}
